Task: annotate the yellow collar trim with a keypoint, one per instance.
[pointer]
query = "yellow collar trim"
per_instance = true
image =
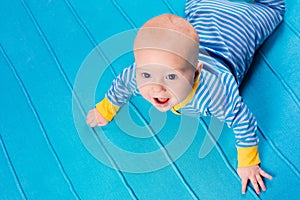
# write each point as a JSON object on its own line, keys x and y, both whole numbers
{"x": 187, "y": 99}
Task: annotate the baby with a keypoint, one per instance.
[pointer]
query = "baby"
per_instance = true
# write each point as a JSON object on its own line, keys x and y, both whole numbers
{"x": 194, "y": 66}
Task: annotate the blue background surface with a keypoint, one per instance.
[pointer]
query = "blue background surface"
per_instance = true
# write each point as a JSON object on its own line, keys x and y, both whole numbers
{"x": 43, "y": 154}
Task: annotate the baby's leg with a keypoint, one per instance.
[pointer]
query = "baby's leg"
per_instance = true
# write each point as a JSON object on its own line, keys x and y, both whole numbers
{"x": 267, "y": 14}
{"x": 232, "y": 31}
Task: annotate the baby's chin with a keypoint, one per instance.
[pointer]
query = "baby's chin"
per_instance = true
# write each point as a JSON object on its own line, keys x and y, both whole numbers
{"x": 163, "y": 109}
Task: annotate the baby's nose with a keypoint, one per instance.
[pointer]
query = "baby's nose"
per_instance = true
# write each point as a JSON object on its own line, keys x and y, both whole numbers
{"x": 158, "y": 88}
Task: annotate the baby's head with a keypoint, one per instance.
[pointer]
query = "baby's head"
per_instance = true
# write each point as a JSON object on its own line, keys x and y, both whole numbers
{"x": 166, "y": 55}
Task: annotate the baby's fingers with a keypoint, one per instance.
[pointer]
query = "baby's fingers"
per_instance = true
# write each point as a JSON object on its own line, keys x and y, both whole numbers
{"x": 88, "y": 120}
{"x": 91, "y": 119}
{"x": 244, "y": 185}
{"x": 91, "y": 122}
{"x": 255, "y": 184}
{"x": 265, "y": 174}
{"x": 261, "y": 182}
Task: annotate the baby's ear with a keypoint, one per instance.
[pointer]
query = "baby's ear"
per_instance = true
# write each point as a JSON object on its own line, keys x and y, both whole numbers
{"x": 198, "y": 70}
{"x": 199, "y": 66}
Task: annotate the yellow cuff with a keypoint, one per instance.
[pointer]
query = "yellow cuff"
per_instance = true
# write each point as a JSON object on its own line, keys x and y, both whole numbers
{"x": 107, "y": 109}
{"x": 248, "y": 156}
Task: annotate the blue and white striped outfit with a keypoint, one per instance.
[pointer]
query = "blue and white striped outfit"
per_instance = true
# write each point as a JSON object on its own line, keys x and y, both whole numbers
{"x": 229, "y": 33}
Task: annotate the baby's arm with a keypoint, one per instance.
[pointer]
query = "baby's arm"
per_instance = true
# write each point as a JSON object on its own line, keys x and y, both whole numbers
{"x": 119, "y": 93}
{"x": 245, "y": 127}
{"x": 267, "y": 15}
{"x": 229, "y": 106}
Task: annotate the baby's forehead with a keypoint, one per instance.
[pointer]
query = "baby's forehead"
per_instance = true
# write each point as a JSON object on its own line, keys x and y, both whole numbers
{"x": 160, "y": 68}
{"x": 149, "y": 58}
{"x": 178, "y": 46}
{"x": 164, "y": 39}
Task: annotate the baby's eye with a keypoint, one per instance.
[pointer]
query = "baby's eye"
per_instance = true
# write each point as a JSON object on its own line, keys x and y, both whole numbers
{"x": 146, "y": 75}
{"x": 171, "y": 76}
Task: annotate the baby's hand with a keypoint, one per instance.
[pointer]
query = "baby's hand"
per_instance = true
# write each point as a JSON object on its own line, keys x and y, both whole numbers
{"x": 94, "y": 118}
{"x": 254, "y": 174}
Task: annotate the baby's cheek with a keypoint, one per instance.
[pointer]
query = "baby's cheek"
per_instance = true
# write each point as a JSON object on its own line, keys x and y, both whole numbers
{"x": 180, "y": 90}
{"x": 142, "y": 84}
{"x": 139, "y": 83}
{"x": 143, "y": 91}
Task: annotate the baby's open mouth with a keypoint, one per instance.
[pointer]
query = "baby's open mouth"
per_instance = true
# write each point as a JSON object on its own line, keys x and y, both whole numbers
{"x": 161, "y": 101}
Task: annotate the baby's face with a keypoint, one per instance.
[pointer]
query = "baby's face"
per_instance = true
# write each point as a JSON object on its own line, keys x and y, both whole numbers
{"x": 163, "y": 78}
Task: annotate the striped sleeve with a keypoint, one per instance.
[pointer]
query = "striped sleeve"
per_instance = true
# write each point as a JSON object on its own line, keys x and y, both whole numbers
{"x": 239, "y": 117}
{"x": 123, "y": 86}
{"x": 119, "y": 93}
{"x": 227, "y": 105}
